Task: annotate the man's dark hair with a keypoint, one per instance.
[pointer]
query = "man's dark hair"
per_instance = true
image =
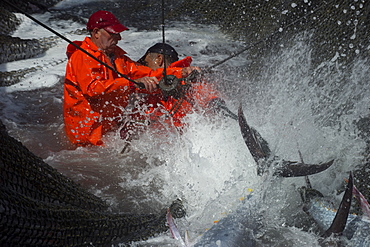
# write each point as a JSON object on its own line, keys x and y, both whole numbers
{"x": 170, "y": 54}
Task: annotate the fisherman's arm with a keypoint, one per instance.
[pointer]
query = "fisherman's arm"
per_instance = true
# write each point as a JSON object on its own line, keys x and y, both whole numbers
{"x": 147, "y": 76}
{"x": 92, "y": 77}
{"x": 151, "y": 81}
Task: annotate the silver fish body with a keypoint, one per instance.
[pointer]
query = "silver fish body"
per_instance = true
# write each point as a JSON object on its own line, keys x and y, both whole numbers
{"x": 237, "y": 229}
{"x": 357, "y": 229}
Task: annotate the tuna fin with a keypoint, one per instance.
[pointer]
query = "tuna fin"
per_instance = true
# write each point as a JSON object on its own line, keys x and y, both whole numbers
{"x": 260, "y": 152}
{"x": 362, "y": 202}
{"x": 250, "y": 135}
{"x": 340, "y": 220}
{"x": 187, "y": 239}
{"x": 295, "y": 169}
{"x": 257, "y": 146}
{"x": 174, "y": 230}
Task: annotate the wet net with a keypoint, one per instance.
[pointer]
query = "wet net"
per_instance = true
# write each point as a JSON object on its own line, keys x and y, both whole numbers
{"x": 41, "y": 207}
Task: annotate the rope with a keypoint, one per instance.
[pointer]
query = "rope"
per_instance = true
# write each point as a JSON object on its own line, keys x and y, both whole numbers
{"x": 179, "y": 102}
{"x": 141, "y": 85}
{"x": 207, "y": 69}
{"x": 163, "y": 48}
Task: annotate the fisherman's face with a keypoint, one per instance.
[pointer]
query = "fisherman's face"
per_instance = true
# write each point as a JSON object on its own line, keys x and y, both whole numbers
{"x": 105, "y": 40}
{"x": 152, "y": 60}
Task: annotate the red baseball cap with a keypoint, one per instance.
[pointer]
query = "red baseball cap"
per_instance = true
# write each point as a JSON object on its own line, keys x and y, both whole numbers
{"x": 105, "y": 19}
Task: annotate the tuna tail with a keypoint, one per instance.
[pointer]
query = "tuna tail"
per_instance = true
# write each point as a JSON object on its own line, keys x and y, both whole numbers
{"x": 295, "y": 169}
{"x": 340, "y": 220}
{"x": 365, "y": 206}
{"x": 260, "y": 152}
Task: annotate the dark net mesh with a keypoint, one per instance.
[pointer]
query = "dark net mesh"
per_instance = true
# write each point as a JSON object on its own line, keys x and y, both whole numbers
{"x": 337, "y": 26}
{"x": 41, "y": 207}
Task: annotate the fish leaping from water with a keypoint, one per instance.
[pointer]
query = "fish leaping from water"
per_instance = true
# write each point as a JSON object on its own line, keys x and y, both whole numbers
{"x": 340, "y": 222}
{"x": 261, "y": 153}
{"x": 241, "y": 227}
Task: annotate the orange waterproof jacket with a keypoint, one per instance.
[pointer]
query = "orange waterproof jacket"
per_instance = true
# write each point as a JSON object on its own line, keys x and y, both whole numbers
{"x": 196, "y": 97}
{"x": 95, "y": 96}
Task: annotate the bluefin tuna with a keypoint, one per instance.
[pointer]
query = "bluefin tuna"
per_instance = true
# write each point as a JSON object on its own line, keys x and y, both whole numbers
{"x": 241, "y": 227}
{"x": 339, "y": 222}
{"x": 260, "y": 152}
{"x": 236, "y": 229}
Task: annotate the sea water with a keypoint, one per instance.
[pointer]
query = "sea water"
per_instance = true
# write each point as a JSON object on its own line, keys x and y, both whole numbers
{"x": 208, "y": 166}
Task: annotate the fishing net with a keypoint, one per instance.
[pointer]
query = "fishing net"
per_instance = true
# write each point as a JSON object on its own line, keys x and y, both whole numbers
{"x": 41, "y": 207}
{"x": 338, "y": 27}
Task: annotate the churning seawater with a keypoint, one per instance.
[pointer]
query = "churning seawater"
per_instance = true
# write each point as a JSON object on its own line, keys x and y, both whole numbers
{"x": 295, "y": 107}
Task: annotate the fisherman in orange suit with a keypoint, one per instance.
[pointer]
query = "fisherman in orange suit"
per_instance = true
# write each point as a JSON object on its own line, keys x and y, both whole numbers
{"x": 190, "y": 96}
{"x": 95, "y": 96}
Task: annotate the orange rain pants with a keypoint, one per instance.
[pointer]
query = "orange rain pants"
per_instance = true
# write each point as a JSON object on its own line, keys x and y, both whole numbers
{"x": 95, "y": 96}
